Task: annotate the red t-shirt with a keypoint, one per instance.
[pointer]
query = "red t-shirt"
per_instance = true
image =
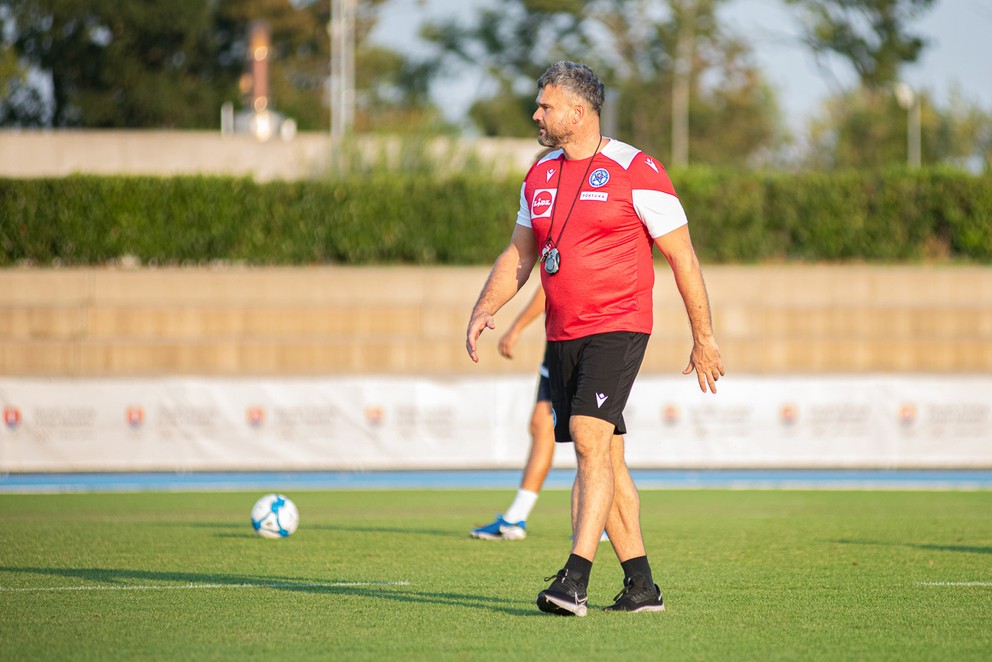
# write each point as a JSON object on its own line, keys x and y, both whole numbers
{"x": 619, "y": 202}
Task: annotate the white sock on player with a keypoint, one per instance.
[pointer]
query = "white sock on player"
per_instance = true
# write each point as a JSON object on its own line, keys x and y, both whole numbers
{"x": 522, "y": 504}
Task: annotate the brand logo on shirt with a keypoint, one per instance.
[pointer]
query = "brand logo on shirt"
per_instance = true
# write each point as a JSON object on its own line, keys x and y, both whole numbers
{"x": 540, "y": 206}
{"x": 551, "y": 172}
{"x": 599, "y": 177}
{"x": 601, "y": 196}
{"x": 600, "y": 399}
{"x": 651, "y": 165}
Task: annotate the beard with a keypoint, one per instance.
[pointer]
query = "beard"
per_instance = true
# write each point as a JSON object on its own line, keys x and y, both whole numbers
{"x": 554, "y": 137}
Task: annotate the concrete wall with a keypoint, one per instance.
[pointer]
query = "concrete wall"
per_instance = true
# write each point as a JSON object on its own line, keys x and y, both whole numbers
{"x": 411, "y": 320}
{"x": 59, "y": 153}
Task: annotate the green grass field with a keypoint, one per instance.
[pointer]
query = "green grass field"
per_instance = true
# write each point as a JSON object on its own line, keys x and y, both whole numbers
{"x": 747, "y": 575}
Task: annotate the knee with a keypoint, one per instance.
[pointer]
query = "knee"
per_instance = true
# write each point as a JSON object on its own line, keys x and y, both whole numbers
{"x": 590, "y": 451}
{"x": 539, "y": 425}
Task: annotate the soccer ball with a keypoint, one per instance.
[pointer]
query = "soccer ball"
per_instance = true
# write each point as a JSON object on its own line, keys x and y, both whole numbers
{"x": 274, "y": 516}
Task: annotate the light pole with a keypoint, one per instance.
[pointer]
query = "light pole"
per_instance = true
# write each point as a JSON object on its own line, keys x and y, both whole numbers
{"x": 341, "y": 30}
{"x": 681, "y": 85}
{"x": 910, "y": 101}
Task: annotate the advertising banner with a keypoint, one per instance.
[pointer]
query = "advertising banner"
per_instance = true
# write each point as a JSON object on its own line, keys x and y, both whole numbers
{"x": 368, "y": 423}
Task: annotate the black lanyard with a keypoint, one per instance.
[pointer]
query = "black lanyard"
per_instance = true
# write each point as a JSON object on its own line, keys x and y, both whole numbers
{"x": 548, "y": 243}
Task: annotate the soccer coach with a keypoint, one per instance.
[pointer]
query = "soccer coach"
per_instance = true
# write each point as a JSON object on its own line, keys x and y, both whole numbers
{"x": 590, "y": 212}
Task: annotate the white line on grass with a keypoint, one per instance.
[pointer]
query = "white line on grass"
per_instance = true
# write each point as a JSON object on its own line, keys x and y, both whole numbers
{"x": 954, "y": 583}
{"x": 200, "y": 586}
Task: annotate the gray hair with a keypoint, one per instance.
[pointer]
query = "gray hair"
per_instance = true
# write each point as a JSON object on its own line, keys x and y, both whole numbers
{"x": 576, "y": 78}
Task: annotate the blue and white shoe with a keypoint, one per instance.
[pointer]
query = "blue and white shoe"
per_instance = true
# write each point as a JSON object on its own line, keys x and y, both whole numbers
{"x": 501, "y": 530}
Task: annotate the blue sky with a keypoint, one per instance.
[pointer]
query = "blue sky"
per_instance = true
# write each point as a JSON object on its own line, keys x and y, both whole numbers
{"x": 958, "y": 57}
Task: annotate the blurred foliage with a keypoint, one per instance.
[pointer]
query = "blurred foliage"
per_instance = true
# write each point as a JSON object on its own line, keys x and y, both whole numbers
{"x": 136, "y": 64}
{"x": 872, "y": 35}
{"x": 733, "y": 116}
{"x": 867, "y": 129}
{"x": 139, "y": 64}
{"x": 390, "y": 217}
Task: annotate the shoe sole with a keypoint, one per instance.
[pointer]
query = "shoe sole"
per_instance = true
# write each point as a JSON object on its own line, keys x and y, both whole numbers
{"x": 485, "y": 536}
{"x": 496, "y": 536}
{"x": 639, "y": 609}
{"x": 552, "y": 605}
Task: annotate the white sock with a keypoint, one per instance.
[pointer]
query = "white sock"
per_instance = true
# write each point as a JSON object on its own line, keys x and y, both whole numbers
{"x": 522, "y": 504}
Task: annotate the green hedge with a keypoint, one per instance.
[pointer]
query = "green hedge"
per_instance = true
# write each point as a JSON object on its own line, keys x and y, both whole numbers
{"x": 403, "y": 218}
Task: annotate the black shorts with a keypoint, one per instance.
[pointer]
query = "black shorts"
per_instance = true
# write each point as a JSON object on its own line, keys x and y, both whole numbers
{"x": 592, "y": 376}
{"x": 544, "y": 384}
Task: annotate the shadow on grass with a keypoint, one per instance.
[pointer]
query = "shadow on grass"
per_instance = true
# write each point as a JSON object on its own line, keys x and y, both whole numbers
{"x": 967, "y": 549}
{"x": 107, "y": 578}
{"x": 335, "y": 528}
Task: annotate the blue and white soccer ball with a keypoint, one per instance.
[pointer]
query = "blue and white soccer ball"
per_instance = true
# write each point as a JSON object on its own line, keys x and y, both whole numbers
{"x": 274, "y": 516}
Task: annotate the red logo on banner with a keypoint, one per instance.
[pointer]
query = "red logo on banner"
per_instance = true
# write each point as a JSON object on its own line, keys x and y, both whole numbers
{"x": 11, "y": 417}
{"x": 256, "y": 416}
{"x": 670, "y": 414}
{"x": 135, "y": 416}
{"x": 373, "y": 416}
{"x": 788, "y": 414}
{"x": 907, "y": 414}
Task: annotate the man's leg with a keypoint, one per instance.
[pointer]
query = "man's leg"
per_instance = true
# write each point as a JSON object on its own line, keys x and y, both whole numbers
{"x": 594, "y": 484}
{"x": 639, "y": 593}
{"x": 624, "y": 523}
{"x": 512, "y": 525}
{"x": 594, "y": 496}
{"x": 542, "y": 447}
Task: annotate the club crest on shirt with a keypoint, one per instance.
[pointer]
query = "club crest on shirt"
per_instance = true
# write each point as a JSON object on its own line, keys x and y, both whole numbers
{"x": 542, "y": 202}
{"x": 599, "y": 177}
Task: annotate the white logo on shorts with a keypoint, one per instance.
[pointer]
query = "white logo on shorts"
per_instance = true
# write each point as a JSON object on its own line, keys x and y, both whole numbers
{"x": 600, "y": 399}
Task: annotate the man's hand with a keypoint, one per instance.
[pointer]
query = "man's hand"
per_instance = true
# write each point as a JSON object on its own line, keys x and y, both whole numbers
{"x": 476, "y": 326}
{"x": 705, "y": 360}
{"x": 507, "y": 341}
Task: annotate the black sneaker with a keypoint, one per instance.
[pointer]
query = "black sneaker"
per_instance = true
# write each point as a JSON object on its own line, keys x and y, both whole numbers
{"x": 638, "y": 595}
{"x": 566, "y": 596}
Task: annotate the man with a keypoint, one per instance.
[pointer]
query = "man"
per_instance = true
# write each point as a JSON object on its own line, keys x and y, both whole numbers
{"x": 513, "y": 524}
{"x": 590, "y": 212}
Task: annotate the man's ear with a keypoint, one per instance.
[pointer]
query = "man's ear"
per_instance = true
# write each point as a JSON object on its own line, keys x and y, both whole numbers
{"x": 578, "y": 112}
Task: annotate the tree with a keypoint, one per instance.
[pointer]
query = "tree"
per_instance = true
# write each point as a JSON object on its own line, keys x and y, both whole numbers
{"x": 865, "y": 127}
{"x": 869, "y": 131}
{"x": 872, "y": 35}
{"x": 632, "y": 46}
{"x": 511, "y": 48}
{"x": 140, "y": 64}
{"x": 112, "y": 64}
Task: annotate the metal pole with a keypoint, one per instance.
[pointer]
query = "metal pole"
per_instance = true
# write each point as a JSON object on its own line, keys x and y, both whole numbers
{"x": 331, "y": 61}
{"x": 681, "y": 81}
{"x": 342, "y": 33}
{"x": 914, "y": 149}
{"x": 910, "y": 101}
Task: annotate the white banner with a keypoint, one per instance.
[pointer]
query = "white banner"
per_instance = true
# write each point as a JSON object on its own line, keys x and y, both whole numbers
{"x": 367, "y": 423}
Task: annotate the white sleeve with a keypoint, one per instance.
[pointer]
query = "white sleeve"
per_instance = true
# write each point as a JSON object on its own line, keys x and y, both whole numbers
{"x": 523, "y": 214}
{"x": 660, "y": 212}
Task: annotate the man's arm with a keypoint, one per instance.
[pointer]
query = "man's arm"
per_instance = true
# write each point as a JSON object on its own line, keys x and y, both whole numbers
{"x": 705, "y": 358}
{"x": 509, "y": 273}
